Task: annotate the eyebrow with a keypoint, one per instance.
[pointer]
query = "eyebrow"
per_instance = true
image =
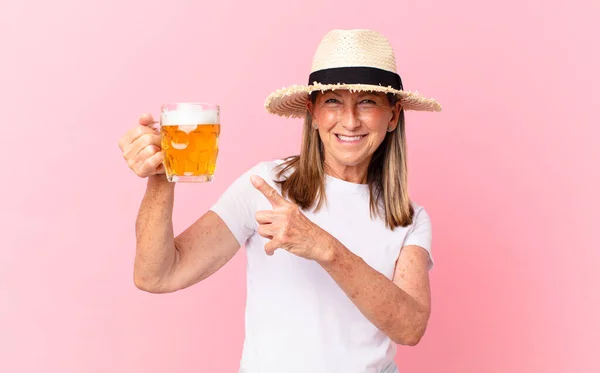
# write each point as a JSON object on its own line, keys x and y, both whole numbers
{"x": 333, "y": 93}
{"x": 367, "y": 93}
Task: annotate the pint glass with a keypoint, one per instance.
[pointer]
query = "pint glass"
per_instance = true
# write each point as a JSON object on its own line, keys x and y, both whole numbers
{"x": 189, "y": 140}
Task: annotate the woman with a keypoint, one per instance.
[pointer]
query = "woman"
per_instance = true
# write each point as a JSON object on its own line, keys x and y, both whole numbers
{"x": 338, "y": 255}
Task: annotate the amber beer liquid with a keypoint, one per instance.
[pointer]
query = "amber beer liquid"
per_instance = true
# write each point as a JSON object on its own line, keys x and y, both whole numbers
{"x": 189, "y": 140}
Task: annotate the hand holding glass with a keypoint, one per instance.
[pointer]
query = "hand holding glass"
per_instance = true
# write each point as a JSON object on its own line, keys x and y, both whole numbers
{"x": 189, "y": 140}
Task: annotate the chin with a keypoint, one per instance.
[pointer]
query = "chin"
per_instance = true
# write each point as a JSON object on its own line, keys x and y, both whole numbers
{"x": 350, "y": 160}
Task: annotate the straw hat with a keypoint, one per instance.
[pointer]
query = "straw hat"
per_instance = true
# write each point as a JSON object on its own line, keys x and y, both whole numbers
{"x": 356, "y": 60}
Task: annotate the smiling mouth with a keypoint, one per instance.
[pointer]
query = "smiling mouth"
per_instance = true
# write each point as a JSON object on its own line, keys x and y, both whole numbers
{"x": 350, "y": 138}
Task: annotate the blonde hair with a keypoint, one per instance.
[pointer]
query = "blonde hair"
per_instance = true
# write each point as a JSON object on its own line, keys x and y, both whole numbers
{"x": 387, "y": 175}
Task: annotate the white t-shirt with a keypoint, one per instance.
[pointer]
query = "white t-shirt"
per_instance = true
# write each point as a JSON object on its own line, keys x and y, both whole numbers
{"x": 297, "y": 318}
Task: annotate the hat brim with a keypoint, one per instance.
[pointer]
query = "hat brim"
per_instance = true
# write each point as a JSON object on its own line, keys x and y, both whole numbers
{"x": 291, "y": 101}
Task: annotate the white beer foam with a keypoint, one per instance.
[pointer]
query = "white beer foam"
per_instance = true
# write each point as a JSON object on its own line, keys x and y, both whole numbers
{"x": 187, "y": 128}
{"x": 189, "y": 116}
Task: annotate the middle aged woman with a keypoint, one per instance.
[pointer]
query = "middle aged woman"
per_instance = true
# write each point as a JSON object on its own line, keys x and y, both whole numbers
{"x": 338, "y": 254}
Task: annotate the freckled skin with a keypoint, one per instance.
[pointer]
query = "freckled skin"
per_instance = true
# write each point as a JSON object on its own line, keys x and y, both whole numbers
{"x": 345, "y": 113}
{"x": 400, "y": 308}
{"x": 165, "y": 263}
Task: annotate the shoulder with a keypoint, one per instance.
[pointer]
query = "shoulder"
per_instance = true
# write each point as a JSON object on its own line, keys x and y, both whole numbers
{"x": 269, "y": 170}
{"x": 241, "y": 192}
{"x": 420, "y": 231}
{"x": 417, "y": 207}
{"x": 420, "y": 214}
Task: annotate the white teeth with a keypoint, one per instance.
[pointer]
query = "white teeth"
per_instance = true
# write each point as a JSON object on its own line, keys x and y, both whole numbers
{"x": 348, "y": 138}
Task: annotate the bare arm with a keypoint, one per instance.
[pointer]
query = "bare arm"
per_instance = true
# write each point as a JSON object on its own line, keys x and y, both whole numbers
{"x": 164, "y": 263}
{"x": 400, "y": 308}
{"x": 155, "y": 252}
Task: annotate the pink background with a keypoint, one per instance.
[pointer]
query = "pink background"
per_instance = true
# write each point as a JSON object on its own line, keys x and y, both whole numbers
{"x": 508, "y": 172}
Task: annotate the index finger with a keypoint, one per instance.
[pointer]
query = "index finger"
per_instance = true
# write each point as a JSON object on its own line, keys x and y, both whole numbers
{"x": 133, "y": 134}
{"x": 146, "y": 122}
{"x": 274, "y": 198}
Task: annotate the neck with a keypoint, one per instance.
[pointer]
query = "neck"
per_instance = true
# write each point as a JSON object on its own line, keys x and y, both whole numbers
{"x": 354, "y": 174}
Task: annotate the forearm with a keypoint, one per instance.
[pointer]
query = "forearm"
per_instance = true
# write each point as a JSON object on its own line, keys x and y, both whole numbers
{"x": 386, "y": 305}
{"x": 155, "y": 248}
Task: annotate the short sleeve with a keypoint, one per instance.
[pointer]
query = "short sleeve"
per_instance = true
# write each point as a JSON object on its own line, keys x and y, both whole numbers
{"x": 237, "y": 205}
{"x": 420, "y": 232}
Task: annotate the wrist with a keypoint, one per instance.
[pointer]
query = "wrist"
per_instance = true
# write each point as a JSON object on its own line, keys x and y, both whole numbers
{"x": 330, "y": 252}
{"x": 159, "y": 181}
{"x": 157, "y": 178}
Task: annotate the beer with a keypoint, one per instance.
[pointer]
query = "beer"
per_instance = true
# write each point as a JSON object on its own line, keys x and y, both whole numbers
{"x": 189, "y": 140}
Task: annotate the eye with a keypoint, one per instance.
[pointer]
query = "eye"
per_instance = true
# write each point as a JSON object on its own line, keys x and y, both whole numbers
{"x": 368, "y": 101}
{"x": 331, "y": 101}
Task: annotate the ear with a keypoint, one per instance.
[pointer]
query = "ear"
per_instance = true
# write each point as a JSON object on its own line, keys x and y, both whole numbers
{"x": 395, "y": 116}
{"x": 310, "y": 106}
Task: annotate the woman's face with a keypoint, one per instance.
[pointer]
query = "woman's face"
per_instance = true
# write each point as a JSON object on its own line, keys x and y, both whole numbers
{"x": 352, "y": 125}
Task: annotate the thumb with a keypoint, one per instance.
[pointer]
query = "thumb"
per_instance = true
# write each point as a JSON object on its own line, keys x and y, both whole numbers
{"x": 146, "y": 119}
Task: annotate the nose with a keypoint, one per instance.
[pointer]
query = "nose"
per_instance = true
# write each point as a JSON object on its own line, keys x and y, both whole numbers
{"x": 349, "y": 118}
